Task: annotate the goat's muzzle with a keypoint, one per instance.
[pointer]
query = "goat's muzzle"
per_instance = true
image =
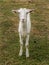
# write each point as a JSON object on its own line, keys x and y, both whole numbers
{"x": 23, "y": 20}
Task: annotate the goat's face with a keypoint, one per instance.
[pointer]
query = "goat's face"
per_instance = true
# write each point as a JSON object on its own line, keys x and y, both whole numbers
{"x": 23, "y": 14}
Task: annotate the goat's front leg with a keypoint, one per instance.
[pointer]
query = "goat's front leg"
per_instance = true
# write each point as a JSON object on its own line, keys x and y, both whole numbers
{"x": 21, "y": 45}
{"x": 26, "y": 45}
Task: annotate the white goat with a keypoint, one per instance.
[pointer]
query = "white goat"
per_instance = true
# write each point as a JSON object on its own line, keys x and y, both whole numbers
{"x": 24, "y": 28}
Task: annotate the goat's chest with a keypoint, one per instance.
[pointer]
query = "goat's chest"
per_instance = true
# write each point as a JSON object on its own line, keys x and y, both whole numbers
{"x": 24, "y": 26}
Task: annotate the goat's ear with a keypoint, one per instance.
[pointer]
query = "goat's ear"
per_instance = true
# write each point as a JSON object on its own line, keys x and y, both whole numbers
{"x": 14, "y": 11}
{"x": 30, "y": 10}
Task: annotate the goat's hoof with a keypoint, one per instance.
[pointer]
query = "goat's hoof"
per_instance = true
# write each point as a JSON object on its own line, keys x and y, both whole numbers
{"x": 27, "y": 56}
{"x": 20, "y": 54}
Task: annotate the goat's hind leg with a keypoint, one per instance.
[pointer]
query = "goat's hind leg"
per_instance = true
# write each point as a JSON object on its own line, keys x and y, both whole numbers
{"x": 21, "y": 45}
{"x": 26, "y": 45}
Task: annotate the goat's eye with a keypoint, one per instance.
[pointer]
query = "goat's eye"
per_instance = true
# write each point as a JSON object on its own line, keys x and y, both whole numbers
{"x": 15, "y": 11}
{"x": 27, "y": 13}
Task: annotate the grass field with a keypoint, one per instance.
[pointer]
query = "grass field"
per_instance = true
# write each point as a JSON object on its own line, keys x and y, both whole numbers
{"x": 39, "y": 36}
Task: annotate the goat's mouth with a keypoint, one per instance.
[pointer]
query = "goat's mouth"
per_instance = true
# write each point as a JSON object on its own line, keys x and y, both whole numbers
{"x": 23, "y": 20}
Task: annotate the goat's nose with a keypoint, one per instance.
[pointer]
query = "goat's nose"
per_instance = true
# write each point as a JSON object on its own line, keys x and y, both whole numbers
{"x": 23, "y": 20}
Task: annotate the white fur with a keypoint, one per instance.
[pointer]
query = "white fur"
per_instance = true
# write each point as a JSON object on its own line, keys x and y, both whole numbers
{"x": 24, "y": 28}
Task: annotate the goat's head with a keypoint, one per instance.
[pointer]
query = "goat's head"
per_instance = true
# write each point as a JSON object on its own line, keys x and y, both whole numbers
{"x": 23, "y": 13}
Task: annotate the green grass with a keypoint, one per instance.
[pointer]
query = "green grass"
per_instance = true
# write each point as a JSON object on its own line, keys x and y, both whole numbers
{"x": 39, "y": 36}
